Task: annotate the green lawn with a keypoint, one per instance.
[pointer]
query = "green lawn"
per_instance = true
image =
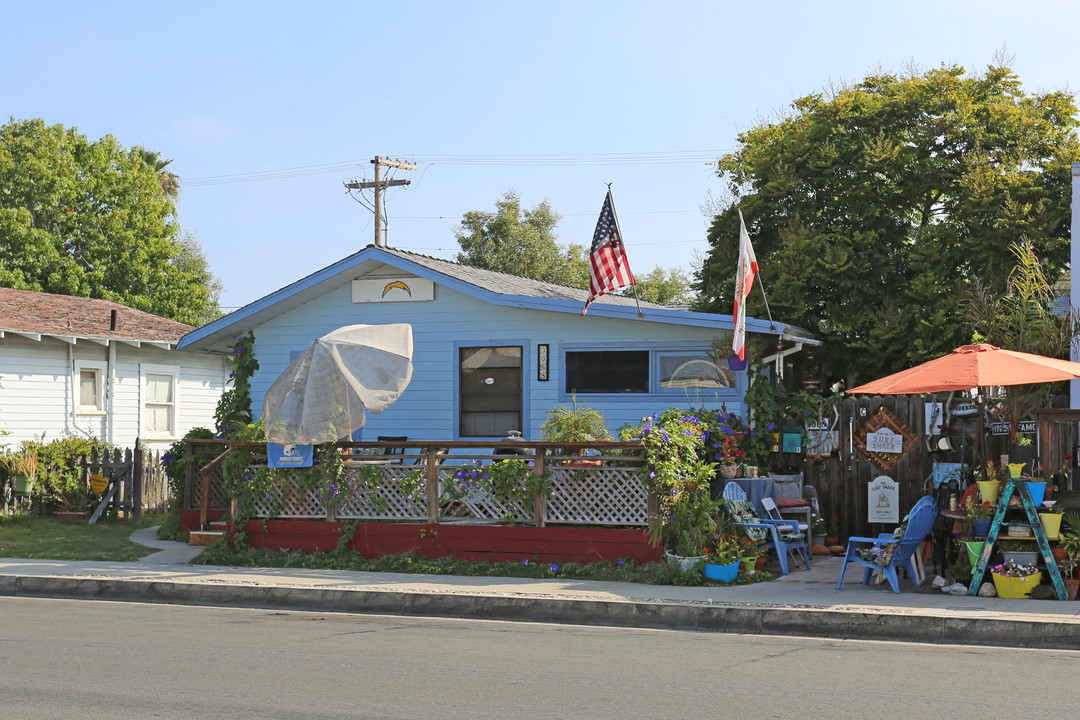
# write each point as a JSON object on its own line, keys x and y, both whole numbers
{"x": 46, "y": 538}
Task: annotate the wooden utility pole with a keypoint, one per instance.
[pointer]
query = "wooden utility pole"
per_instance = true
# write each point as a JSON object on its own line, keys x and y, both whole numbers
{"x": 378, "y": 185}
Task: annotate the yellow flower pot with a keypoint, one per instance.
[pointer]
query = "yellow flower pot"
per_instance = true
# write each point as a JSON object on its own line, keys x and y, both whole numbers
{"x": 1016, "y": 587}
{"x": 1051, "y": 523}
{"x": 1015, "y": 469}
{"x": 988, "y": 490}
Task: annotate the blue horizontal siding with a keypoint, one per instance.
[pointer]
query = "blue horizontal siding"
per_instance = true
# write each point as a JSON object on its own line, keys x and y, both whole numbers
{"x": 427, "y": 408}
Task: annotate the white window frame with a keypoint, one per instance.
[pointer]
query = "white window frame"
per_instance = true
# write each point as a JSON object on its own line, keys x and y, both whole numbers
{"x": 100, "y": 367}
{"x": 151, "y": 369}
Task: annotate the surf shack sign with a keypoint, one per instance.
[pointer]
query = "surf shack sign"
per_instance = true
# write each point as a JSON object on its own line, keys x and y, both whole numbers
{"x": 884, "y": 438}
{"x": 883, "y": 500}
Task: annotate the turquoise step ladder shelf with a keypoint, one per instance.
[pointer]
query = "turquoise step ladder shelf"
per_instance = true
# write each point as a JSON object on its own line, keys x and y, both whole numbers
{"x": 1019, "y": 486}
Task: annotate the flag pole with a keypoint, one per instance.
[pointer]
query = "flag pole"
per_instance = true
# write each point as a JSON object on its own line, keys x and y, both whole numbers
{"x": 761, "y": 285}
{"x": 619, "y": 230}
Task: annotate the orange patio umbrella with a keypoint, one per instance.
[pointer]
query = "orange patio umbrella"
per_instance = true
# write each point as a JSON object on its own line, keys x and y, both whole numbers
{"x": 972, "y": 366}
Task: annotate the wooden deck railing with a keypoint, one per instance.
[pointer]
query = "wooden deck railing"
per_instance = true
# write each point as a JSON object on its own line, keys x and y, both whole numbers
{"x": 601, "y": 489}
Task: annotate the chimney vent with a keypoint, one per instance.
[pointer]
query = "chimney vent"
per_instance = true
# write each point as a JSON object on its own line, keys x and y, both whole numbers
{"x": 112, "y": 319}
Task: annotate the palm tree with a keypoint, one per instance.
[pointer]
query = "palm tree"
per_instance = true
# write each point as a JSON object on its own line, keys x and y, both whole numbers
{"x": 152, "y": 160}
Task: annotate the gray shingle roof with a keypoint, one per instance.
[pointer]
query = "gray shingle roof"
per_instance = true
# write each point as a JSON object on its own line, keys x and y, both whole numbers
{"x": 506, "y": 284}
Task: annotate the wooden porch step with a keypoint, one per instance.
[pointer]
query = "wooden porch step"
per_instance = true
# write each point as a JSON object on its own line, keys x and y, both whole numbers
{"x": 204, "y": 537}
{"x": 221, "y": 525}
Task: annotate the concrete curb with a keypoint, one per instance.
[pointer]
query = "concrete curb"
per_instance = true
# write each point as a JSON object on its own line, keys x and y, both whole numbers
{"x": 858, "y": 624}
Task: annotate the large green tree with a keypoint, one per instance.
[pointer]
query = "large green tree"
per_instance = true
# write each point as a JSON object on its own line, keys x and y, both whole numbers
{"x": 92, "y": 219}
{"x": 873, "y": 208}
{"x": 523, "y": 242}
{"x": 520, "y": 241}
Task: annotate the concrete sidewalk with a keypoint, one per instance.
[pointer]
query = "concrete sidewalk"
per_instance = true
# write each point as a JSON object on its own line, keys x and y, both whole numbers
{"x": 803, "y": 603}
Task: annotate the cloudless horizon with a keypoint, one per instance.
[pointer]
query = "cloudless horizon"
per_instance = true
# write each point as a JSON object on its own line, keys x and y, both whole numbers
{"x": 267, "y": 108}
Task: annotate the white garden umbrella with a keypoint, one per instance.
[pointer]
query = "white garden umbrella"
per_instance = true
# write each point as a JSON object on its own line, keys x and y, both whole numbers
{"x": 327, "y": 391}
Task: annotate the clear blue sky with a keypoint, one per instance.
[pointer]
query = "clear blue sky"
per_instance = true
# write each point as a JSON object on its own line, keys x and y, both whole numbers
{"x": 554, "y": 99}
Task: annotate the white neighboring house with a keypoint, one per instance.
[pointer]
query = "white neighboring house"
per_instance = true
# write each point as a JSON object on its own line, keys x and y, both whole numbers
{"x": 74, "y": 366}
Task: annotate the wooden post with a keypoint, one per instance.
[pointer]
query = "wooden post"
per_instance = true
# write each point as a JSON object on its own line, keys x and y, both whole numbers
{"x": 137, "y": 482}
{"x": 204, "y": 510}
{"x": 539, "y": 500}
{"x": 432, "y": 485}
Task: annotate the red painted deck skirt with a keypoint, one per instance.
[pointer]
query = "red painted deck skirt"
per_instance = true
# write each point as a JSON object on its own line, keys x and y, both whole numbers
{"x": 492, "y": 543}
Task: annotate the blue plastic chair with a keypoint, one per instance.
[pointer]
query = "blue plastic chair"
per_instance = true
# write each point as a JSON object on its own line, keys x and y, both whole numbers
{"x": 780, "y": 535}
{"x": 893, "y": 550}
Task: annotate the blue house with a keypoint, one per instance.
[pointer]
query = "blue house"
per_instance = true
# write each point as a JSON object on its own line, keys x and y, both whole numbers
{"x": 494, "y": 352}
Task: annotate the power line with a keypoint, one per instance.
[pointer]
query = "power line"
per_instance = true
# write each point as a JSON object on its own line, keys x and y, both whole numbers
{"x": 678, "y": 157}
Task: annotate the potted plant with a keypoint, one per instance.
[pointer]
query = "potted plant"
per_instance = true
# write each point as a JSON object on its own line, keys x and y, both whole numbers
{"x": 22, "y": 466}
{"x": 688, "y": 527}
{"x": 1020, "y": 552}
{"x": 1015, "y": 581}
{"x": 574, "y": 424}
{"x": 1051, "y": 521}
{"x": 980, "y": 515}
{"x": 722, "y": 557}
{"x": 729, "y": 457}
{"x": 832, "y": 533}
{"x": 750, "y": 553}
{"x": 1069, "y": 540}
{"x": 818, "y": 529}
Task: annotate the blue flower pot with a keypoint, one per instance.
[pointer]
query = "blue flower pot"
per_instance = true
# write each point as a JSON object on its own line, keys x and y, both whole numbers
{"x": 723, "y": 573}
{"x": 982, "y": 526}
{"x": 1037, "y": 490}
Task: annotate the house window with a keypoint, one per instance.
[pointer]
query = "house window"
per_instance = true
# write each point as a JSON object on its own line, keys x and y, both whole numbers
{"x": 691, "y": 370}
{"x": 490, "y": 391}
{"x": 159, "y": 400}
{"x": 89, "y": 387}
{"x": 607, "y": 371}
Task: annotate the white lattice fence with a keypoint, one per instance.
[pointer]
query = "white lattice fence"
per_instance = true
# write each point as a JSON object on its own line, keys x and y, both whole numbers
{"x": 387, "y": 502}
{"x": 597, "y": 496}
{"x": 289, "y": 499}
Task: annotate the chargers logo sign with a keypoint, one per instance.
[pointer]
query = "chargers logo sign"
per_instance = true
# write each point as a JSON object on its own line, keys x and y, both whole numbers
{"x": 393, "y": 289}
{"x": 399, "y": 284}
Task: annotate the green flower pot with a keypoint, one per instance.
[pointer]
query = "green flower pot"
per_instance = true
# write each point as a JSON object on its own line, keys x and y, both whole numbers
{"x": 22, "y": 485}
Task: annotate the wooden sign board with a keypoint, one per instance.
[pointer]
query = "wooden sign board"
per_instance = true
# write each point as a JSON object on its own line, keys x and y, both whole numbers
{"x": 884, "y": 418}
{"x": 883, "y": 500}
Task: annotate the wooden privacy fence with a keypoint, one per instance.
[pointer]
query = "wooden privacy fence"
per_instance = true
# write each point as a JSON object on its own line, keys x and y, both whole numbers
{"x": 136, "y": 480}
{"x": 842, "y": 477}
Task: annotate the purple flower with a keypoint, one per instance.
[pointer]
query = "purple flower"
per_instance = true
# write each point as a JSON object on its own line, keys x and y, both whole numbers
{"x": 772, "y": 426}
{"x": 554, "y": 568}
{"x": 525, "y": 561}
{"x": 620, "y": 561}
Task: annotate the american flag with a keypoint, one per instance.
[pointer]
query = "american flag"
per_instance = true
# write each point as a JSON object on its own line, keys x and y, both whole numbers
{"x": 608, "y": 268}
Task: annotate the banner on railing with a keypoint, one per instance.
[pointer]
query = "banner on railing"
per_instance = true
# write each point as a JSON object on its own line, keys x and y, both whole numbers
{"x": 288, "y": 456}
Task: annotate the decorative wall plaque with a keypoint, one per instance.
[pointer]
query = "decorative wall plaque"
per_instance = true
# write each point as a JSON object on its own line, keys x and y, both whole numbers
{"x": 897, "y": 438}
